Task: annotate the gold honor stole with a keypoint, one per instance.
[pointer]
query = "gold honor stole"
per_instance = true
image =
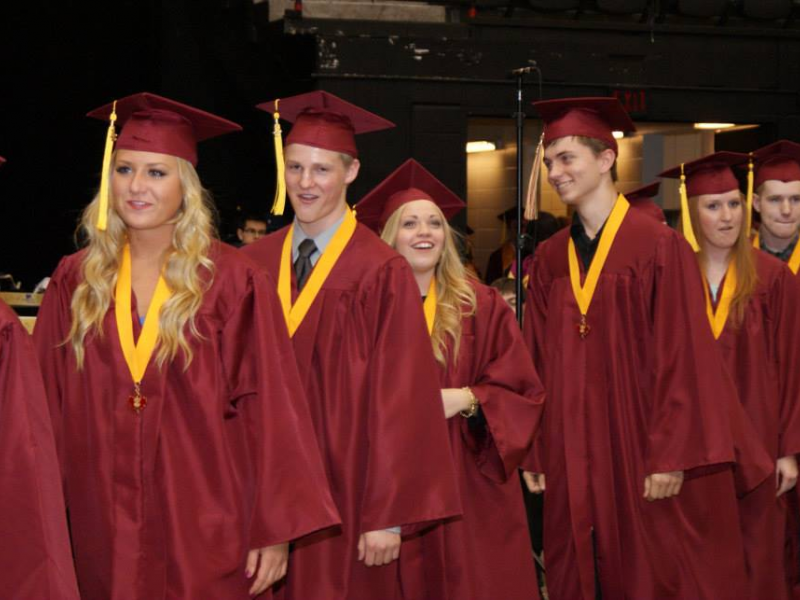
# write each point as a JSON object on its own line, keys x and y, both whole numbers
{"x": 584, "y": 293}
{"x": 794, "y": 259}
{"x": 138, "y": 355}
{"x": 718, "y": 319}
{"x": 295, "y": 313}
{"x": 429, "y": 306}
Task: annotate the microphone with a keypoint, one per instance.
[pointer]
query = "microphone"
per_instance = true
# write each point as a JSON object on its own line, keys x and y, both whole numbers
{"x": 525, "y": 70}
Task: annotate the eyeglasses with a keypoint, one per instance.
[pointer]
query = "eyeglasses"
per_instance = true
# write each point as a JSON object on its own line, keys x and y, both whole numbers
{"x": 258, "y": 232}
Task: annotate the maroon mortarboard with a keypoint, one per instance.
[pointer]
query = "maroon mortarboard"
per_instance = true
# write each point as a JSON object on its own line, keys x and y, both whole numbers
{"x": 779, "y": 161}
{"x": 325, "y": 121}
{"x": 151, "y": 123}
{"x": 410, "y": 181}
{"x": 595, "y": 118}
{"x": 712, "y": 174}
{"x": 642, "y": 199}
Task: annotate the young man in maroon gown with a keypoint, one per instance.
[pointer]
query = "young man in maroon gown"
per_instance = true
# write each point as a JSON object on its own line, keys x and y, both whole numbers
{"x": 353, "y": 311}
{"x": 638, "y": 433}
{"x": 34, "y": 544}
{"x": 777, "y": 200}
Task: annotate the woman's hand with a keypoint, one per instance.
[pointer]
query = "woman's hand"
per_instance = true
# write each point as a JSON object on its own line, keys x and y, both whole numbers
{"x": 663, "y": 485}
{"x": 534, "y": 481}
{"x": 455, "y": 400}
{"x": 785, "y": 474}
{"x": 378, "y": 548}
{"x": 268, "y": 564}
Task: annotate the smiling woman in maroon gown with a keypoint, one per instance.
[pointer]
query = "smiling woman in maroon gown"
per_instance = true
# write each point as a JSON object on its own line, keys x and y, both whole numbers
{"x": 491, "y": 395}
{"x": 188, "y": 455}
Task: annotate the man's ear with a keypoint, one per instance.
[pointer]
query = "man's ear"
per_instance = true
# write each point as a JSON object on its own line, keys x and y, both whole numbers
{"x": 352, "y": 171}
{"x": 607, "y": 158}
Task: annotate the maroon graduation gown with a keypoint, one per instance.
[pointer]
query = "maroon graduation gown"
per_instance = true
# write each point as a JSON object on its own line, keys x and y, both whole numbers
{"x": 762, "y": 356}
{"x": 486, "y": 554}
{"x": 645, "y": 392}
{"x": 34, "y": 545}
{"x": 166, "y": 504}
{"x": 364, "y": 355}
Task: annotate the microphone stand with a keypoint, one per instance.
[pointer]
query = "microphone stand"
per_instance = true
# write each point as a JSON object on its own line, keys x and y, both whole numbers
{"x": 520, "y": 74}
{"x": 520, "y": 239}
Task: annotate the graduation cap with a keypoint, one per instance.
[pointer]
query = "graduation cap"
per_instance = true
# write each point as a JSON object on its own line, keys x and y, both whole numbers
{"x": 779, "y": 161}
{"x": 151, "y": 123}
{"x": 508, "y": 215}
{"x": 410, "y": 181}
{"x": 320, "y": 120}
{"x": 712, "y": 174}
{"x": 642, "y": 199}
{"x": 595, "y": 118}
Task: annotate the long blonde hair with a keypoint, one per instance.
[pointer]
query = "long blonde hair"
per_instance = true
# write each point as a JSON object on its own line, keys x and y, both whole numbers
{"x": 188, "y": 271}
{"x": 742, "y": 258}
{"x": 455, "y": 296}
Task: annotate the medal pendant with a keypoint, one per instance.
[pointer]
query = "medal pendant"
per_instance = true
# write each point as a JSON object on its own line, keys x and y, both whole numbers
{"x": 137, "y": 400}
{"x": 583, "y": 327}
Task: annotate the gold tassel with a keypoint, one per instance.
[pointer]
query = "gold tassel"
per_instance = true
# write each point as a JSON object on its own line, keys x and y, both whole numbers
{"x": 686, "y": 219}
{"x": 749, "y": 202}
{"x": 111, "y": 137}
{"x": 532, "y": 198}
{"x": 279, "y": 203}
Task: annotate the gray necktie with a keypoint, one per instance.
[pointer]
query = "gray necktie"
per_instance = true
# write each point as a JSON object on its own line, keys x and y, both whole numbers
{"x": 303, "y": 266}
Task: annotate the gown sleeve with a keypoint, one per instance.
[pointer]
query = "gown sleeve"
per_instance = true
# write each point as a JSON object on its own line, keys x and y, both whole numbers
{"x": 785, "y": 299}
{"x": 292, "y": 497}
{"x": 687, "y": 428}
{"x": 35, "y": 550}
{"x": 508, "y": 388}
{"x": 410, "y": 478}
{"x": 533, "y": 330}
{"x": 52, "y": 326}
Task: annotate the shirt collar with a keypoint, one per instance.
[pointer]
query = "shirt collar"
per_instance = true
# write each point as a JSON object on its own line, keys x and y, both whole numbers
{"x": 784, "y": 254}
{"x": 321, "y": 240}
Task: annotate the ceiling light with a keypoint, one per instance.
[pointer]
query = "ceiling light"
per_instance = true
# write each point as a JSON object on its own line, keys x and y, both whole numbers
{"x": 481, "y": 146}
{"x": 715, "y": 126}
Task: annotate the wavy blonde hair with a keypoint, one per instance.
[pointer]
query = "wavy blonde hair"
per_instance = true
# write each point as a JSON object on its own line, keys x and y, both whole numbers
{"x": 188, "y": 271}
{"x": 455, "y": 296}
{"x": 742, "y": 257}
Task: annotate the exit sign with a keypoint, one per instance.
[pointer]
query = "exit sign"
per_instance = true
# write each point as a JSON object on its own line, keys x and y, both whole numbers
{"x": 634, "y": 101}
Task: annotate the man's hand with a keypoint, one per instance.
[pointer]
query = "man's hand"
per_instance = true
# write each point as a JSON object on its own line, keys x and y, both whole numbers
{"x": 534, "y": 481}
{"x": 663, "y": 485}
{"x": 786, "y": 474}
{"x": 378, "y": 548}
{"x": 268, "y": 565}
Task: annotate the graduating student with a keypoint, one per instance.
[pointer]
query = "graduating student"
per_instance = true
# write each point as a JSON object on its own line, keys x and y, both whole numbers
{"x": 34, "y": 544}
{"x": 752, "y": 304}
{"x": 491, "y": 394}
{"x": 777, "y": 200}
{"x": 638, "y": 433}
{"x": 642, "y": 199}
{"x": 352, "y": 308}
{"x": 187, "y": 449}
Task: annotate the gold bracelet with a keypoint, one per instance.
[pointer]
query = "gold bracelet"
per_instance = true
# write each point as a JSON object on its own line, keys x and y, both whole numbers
{"x": 473, "y": 405}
